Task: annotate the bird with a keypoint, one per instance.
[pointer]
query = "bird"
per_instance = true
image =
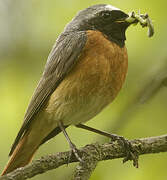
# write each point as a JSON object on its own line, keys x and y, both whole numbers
{"x": 84, "y": 72}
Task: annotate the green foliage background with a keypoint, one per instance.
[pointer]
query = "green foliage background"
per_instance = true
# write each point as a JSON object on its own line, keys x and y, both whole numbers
{"x": 28, "y": 29}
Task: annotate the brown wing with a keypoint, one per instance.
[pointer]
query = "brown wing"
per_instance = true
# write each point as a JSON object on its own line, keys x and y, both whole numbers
{"x": 62, "y": 58}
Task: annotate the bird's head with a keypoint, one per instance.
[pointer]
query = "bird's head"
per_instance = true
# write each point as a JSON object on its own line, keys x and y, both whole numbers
{"x": 107, "y": 19}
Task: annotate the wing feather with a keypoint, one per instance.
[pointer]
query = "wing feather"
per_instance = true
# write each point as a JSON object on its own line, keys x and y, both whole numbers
{"x": 60, "y": 61}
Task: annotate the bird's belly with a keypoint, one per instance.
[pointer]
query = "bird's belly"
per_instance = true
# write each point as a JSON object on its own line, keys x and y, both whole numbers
{"x": 92, "y": 84}
{"x": 85, "y": 110}
{"x": 79, "y": 109}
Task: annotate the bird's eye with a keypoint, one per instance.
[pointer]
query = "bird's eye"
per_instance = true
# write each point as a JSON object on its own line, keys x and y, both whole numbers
{"x": 105, "y": 15}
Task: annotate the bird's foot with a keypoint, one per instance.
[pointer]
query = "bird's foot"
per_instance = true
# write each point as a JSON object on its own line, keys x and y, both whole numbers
{"x": 131, "y": 153}
{"x": 74, "y": 151}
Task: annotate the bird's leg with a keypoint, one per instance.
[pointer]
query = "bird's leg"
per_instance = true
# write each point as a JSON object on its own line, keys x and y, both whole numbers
{"x": 72, "y": 146}
{"x": 131, "y": 153}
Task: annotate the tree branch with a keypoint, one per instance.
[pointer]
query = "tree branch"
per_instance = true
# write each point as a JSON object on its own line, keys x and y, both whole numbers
{"x": 84, "y": 169}
{"x": 91, "y": 155}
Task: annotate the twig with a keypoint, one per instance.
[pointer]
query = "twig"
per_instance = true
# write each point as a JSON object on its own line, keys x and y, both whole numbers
{"x": 95, "y": 152}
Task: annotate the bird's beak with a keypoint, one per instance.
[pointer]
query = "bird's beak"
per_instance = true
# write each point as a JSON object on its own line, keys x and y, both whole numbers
{"x": 128, "y": 20}
{"x": 131, "y": 19}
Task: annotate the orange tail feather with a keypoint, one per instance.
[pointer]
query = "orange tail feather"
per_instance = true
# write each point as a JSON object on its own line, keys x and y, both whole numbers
{"x": 21, "y": 156}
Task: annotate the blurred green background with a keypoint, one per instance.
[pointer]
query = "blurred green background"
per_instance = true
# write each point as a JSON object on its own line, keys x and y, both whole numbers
{"x": 28, "y": 29}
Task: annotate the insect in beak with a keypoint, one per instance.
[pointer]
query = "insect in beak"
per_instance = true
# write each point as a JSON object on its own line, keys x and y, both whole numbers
{"x": 144, "y": 21}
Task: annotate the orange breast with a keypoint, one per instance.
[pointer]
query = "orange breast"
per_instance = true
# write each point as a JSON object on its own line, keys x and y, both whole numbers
{"x": 102, "y": 65}
{"x": 94, "y": 81}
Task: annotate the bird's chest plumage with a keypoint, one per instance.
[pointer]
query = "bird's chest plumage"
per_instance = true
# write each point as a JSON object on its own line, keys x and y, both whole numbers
{"x": 93, "y": 83}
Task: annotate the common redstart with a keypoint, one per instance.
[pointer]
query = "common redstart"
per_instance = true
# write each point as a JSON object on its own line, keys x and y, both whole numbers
{"x": 84, "y": 72}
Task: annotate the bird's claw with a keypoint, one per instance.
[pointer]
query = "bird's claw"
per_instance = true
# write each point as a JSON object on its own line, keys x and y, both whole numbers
{"x": 74, "y": 151}
{"x": 131, "y": 153}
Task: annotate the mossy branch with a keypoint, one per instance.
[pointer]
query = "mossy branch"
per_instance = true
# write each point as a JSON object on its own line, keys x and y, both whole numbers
{"x": 91, "y": 155}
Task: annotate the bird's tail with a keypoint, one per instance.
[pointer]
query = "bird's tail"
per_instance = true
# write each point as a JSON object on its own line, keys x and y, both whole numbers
{"x": 22, "y": 155}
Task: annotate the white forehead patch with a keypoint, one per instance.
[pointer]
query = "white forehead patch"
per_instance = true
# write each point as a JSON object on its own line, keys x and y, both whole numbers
{"x": 111, "y": 8}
